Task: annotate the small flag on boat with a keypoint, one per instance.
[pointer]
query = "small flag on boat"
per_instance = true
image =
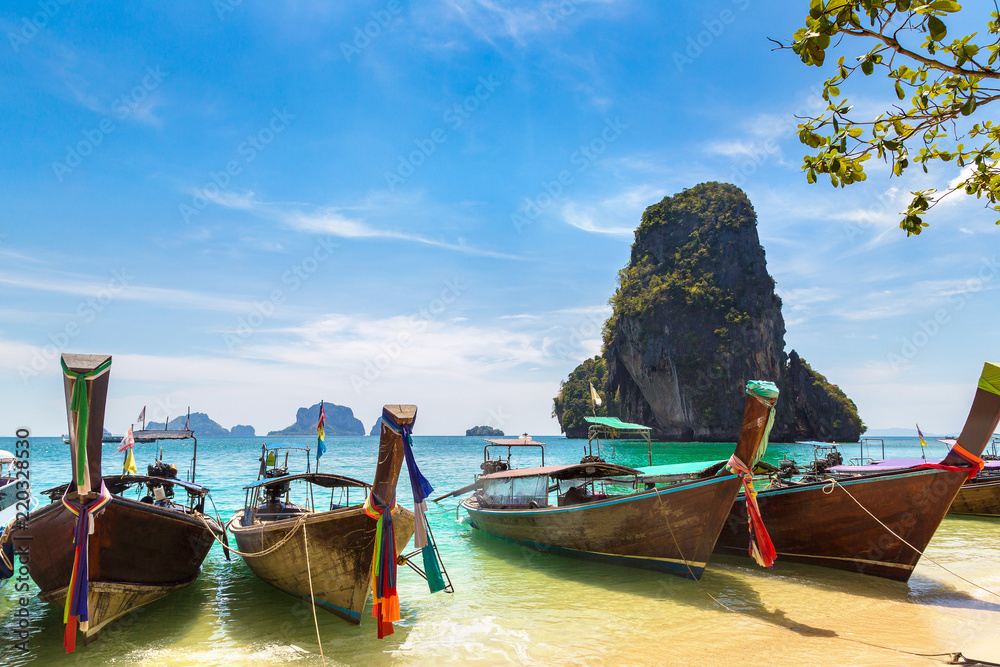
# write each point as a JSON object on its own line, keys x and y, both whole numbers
{"x": 187, "y": 422}
{"x": 594, "y": 395}
{"x": 128, "y": 468}
{"x": 320, "y": 433}
{"x": 128, "y": 441}
{"x": 923, "y": 443}
{"x": 142, "y": 415}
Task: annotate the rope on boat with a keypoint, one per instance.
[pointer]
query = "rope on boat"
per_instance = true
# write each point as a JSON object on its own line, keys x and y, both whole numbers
{"x": 270, "y": 549}
{"x": 828, "y": 489}
{"x": 312, "y": 597}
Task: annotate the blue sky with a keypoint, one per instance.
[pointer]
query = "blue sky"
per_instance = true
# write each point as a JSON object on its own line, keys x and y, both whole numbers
{"x": 254, "y": 206}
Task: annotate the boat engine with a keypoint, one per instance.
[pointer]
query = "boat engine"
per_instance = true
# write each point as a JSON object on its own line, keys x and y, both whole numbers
{"x": 833, "y": 458}
{"x": 491, "y": 466}
{"x": 787, "y": 468}
{"x": 276, "y": 491}
{"x": 160, "y": 469}
{"x": 592, "y": 458}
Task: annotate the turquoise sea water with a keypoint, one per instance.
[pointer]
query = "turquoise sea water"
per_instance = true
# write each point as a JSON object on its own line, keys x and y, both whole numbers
{"x": 514, "y": 605}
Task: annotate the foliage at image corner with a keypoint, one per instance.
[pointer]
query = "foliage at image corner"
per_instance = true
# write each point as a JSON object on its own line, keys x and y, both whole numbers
{"x": 939, "y": 81}
{"x": 574, "y": 402}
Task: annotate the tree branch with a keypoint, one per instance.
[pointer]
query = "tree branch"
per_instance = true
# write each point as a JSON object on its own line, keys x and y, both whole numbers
{"x": 894, "y": 44}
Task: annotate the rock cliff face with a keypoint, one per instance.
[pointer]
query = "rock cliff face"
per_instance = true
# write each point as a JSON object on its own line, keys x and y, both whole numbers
{"x": 340, "y": 420}
{"x": 696, "y": 316}
{"x": 813, "y": 408}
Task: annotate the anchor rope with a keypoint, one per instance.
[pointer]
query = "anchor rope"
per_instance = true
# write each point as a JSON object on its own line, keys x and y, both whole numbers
{"x": 312, "y": 597}
{"x": 274, "y": 547}
{"x": 828, "y": 489}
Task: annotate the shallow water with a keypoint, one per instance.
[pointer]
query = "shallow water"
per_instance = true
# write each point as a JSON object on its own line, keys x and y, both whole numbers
{"x": 518, "y": 605}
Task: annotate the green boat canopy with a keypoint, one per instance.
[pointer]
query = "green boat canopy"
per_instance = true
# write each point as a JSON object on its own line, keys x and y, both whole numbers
{"x": 615, "y": 423}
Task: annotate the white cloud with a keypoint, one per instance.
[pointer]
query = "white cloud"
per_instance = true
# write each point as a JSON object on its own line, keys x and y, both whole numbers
{"x": 332, "y": 221}
{"x": 119, "y": 286}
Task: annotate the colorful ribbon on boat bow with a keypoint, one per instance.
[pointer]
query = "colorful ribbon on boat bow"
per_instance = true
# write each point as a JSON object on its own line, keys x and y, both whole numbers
{"x": 78, "y": 590}
{"x": 961, "y": 452}
{"x": 80, "y": 404}
{"x": 760, "y": 542}
{"x": 386, "y": 603}
{"x": 422, "y": 489}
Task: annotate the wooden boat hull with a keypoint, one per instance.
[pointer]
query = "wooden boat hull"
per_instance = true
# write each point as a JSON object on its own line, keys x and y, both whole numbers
{"x": 978, "y": 498}
{"x": 138, "y": 554}
{"x": 672, "y": 529}
{"x": 341, "y": 547}
{"x": 821, "y": 525}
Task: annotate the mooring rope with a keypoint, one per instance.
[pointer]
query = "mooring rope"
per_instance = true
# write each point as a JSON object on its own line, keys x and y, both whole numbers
{"x": 274, "y": 547}
{"x": 312, "y": 598}
{"x": 828, "y": 489}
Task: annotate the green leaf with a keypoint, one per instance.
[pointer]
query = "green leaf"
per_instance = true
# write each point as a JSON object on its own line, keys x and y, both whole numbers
{"x": 969, "y": 106}
{"x": 867, "y": 67}
{"x": 937, "y": 28}
{"x": 899, "y": 91}
{"x": 946, "y": 6}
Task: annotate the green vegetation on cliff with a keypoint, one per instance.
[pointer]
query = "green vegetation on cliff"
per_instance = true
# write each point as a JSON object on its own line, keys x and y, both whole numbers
{"x": 574, "y": 402}
{"x": 692, "y": 265}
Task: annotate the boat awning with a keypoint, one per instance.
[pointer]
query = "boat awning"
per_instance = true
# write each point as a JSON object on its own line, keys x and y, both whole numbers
{"x": 572, "y": 471}
{"x": 118, "y": 483}
{"x": 617, "y": 424}
{"x": 161, "y": 434}
{"x": 899, "y": 464}
{"x": 323, "y": 479}
{"x": 6, "y": 456}
{"x": 504, "y": 442}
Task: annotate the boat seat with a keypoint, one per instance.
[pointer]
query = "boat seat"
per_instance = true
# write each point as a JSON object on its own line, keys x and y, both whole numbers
{"x": 578, "y": 495}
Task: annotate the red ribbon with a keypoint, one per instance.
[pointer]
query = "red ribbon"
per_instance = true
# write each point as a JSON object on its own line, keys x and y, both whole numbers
{"x": 761, "y": 547}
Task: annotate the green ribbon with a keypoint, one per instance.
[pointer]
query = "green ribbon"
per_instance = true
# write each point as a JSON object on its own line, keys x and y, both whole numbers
{"x": 769, "y": 392}
{"x": 80, "y": 403}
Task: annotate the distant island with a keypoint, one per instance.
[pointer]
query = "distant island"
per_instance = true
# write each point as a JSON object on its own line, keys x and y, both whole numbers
{"x": 488, "y": 431}
{"x": 340, "y": 420}
{"x": 242, "y": 431}
{"x": 201, "y": 424}
{"x": 375, "y": 427}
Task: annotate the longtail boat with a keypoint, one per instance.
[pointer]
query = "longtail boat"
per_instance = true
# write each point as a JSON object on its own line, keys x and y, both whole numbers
{"x": 135, "y": 551}
{"x": 978, "y": 496}
{"x": 325, "y": 553}
{"x": 873, "y": 523}
{"x": 602, "y": 513}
